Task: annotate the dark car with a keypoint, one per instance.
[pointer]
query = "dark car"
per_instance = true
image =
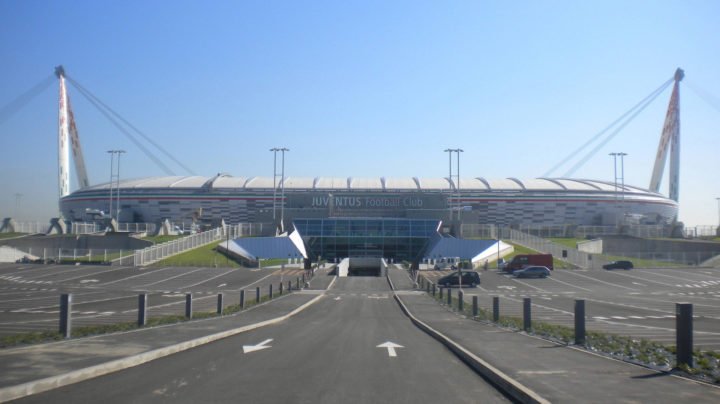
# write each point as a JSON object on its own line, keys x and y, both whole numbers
{"x": 532, "y": 272}
{"x": 618, "y": 265}
{"x": 469, "y": 278}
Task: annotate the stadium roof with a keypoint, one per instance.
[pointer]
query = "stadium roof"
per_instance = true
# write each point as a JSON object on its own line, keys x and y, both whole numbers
{"x": 224, "y": 181}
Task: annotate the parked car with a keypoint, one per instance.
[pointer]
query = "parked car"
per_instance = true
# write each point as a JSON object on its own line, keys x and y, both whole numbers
{"x": 444, "y": 266}
{"x": 521, "y": 261}
{"x": 532, "y": 272}
{"x": 469, "y": 279}
{"x": 618, "y": 265}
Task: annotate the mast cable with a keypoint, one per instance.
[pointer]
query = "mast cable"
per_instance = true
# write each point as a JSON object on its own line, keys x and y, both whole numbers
{"x": 642, "y": 104}
{"x": 137, "y": 143}
{"x": 18, "y": 103}
{"x": 89, "y": 94}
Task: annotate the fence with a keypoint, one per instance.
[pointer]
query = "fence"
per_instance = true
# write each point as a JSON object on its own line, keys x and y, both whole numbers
{"x": 93, "y": 255}
{"x": 31, "y": 227}
{"x": 560, "y": 231}
{"x": 571, "y": 255}
{"x": 158, "y": 252}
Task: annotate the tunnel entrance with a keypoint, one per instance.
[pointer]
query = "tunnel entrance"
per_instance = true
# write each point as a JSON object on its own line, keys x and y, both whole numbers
{"x": 362, "y": 266}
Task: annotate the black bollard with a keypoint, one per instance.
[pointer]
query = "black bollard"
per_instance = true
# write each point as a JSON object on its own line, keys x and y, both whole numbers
{"x": 684, "y": 333}
{"x": 188, "y": 305}
{"x": 527, "y": 314}
{"x": 66, "y": 315}
{"x": 142, "y": 310}
{"x": 496, "y": 309}
{"x": 579, "y": 322}
{"x": 220, "y": 304}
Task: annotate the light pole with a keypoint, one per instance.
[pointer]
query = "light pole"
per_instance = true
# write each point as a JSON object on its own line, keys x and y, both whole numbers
{"x": 274, "y": 150}
{"x": 115, "y": 181}
{"x": 622, "y": 179}
{"x": 18, "y": 196}
{"x": 718, "y": 229}
{"x": 282, "y": 188}
{"x": 450, "y": 176}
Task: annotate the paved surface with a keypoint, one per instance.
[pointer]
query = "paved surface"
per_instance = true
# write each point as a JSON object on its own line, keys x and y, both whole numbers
{"x": 326, "y": 354}
{"x": 30, "y": 293}
{"x": 557, "y": 373}
{"x": 638, "y": 303}
{"x": 329, "y": 352}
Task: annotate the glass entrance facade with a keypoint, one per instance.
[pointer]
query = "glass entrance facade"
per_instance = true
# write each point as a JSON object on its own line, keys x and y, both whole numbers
{"x": 399, "y": 239}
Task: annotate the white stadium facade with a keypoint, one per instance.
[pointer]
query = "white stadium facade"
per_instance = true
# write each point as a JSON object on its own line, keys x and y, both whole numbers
{"x": 544, "y": 202}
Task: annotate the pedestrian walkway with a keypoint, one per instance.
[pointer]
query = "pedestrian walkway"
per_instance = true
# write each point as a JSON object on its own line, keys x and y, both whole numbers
{"x": 44, "y": 366}
{"x": 558, "y": 373}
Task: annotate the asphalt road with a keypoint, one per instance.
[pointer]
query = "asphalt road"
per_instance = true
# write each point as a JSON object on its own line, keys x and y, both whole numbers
{"x": 30, "y": 294}
{"x": 638, "y": 303}
{"x": 329, "y": 353}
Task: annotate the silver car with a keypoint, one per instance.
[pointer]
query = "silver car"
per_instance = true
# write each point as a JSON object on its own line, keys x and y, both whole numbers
{"x": 532, "y": 272}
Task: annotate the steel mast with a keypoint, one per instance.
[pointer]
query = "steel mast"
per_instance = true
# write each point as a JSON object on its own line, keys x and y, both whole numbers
{"x": 670, "y": 137}
{"x": 68, "y": 138}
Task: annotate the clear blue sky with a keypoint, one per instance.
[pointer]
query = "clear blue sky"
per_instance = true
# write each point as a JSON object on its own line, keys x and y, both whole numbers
{"x": 361, "y": 88}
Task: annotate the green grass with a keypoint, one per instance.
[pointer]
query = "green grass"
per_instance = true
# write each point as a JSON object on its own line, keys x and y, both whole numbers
{"x": 162, "y": 239}
{"x": 566, "y": 241}
{"x": 11, "y": 235}
{"x": 78, "y": 332}
{"x": 204, "y": 256}
{"x": 650, "y": 353}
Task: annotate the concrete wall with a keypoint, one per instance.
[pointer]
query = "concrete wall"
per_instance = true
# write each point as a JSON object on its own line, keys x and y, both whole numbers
{"x": 591, "y": 246}
{"x": 111, "y": 241}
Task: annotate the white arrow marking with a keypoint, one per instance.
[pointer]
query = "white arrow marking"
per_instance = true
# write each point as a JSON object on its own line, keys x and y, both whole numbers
{"x": 89, "y": 281}
{"x": 221, "y": 285}
{"x": 258, "y": 347}
{"x": 390, "y": 347}
{"x": 506, "y": 287}
{"x": 337, "y": 298}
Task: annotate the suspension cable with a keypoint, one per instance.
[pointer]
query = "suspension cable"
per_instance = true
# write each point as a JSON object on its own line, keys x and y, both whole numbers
{"x": 642, "y": 105}
{"x": 97, "y": 102}
{"x": 710, "y": 99}
{"x": 18, "y": 103}
{"x": 124, "y": 131}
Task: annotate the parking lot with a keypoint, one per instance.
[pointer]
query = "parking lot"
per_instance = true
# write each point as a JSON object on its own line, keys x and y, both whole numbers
{"x": 638, "y": 302}
{"x": 30, "y": 293}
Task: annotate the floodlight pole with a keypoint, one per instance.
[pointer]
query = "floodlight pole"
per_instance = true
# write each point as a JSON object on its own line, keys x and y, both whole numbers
{"x": 449, "y": 152}
{"x": 117, "y": 216}
{"x": 115, "y": 182}
{"x": 282, "y": 189}
{"x": 274, "y": 150}
{"x": 622, "y": 179}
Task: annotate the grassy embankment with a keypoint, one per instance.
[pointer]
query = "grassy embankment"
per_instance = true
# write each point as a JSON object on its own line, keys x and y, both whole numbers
{"x": 634, "y": 350}
{"x": 11, "y": 235}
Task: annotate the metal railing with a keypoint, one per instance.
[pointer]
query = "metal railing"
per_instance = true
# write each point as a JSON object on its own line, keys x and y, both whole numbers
{"x": 565, "y": 253}
{"x": 158, "y": 252}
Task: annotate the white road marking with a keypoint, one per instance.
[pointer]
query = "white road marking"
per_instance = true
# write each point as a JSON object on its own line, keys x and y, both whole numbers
{"x": 390, "y": 348}
{"x": 258, "y": 347}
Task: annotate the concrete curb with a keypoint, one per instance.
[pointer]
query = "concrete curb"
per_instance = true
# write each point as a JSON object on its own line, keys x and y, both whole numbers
{"x": 505, "y": 383}
{"x": 53, "y": 382}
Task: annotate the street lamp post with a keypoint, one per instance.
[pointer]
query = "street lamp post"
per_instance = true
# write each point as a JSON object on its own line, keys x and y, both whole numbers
{"x": 457, "y": 174}
{"x": 718, "y": 229}
{"x": 115, "y": 182}
{"x": 274, "y": 150}
{"x": 282, "y": 150}
{"x": 622, "y": 178}
{"x": 18, "y": 196}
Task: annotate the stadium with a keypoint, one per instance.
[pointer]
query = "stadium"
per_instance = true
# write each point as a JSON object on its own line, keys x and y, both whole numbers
{"x": 511, "y": 201}
{"x": 453, "y": 201}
